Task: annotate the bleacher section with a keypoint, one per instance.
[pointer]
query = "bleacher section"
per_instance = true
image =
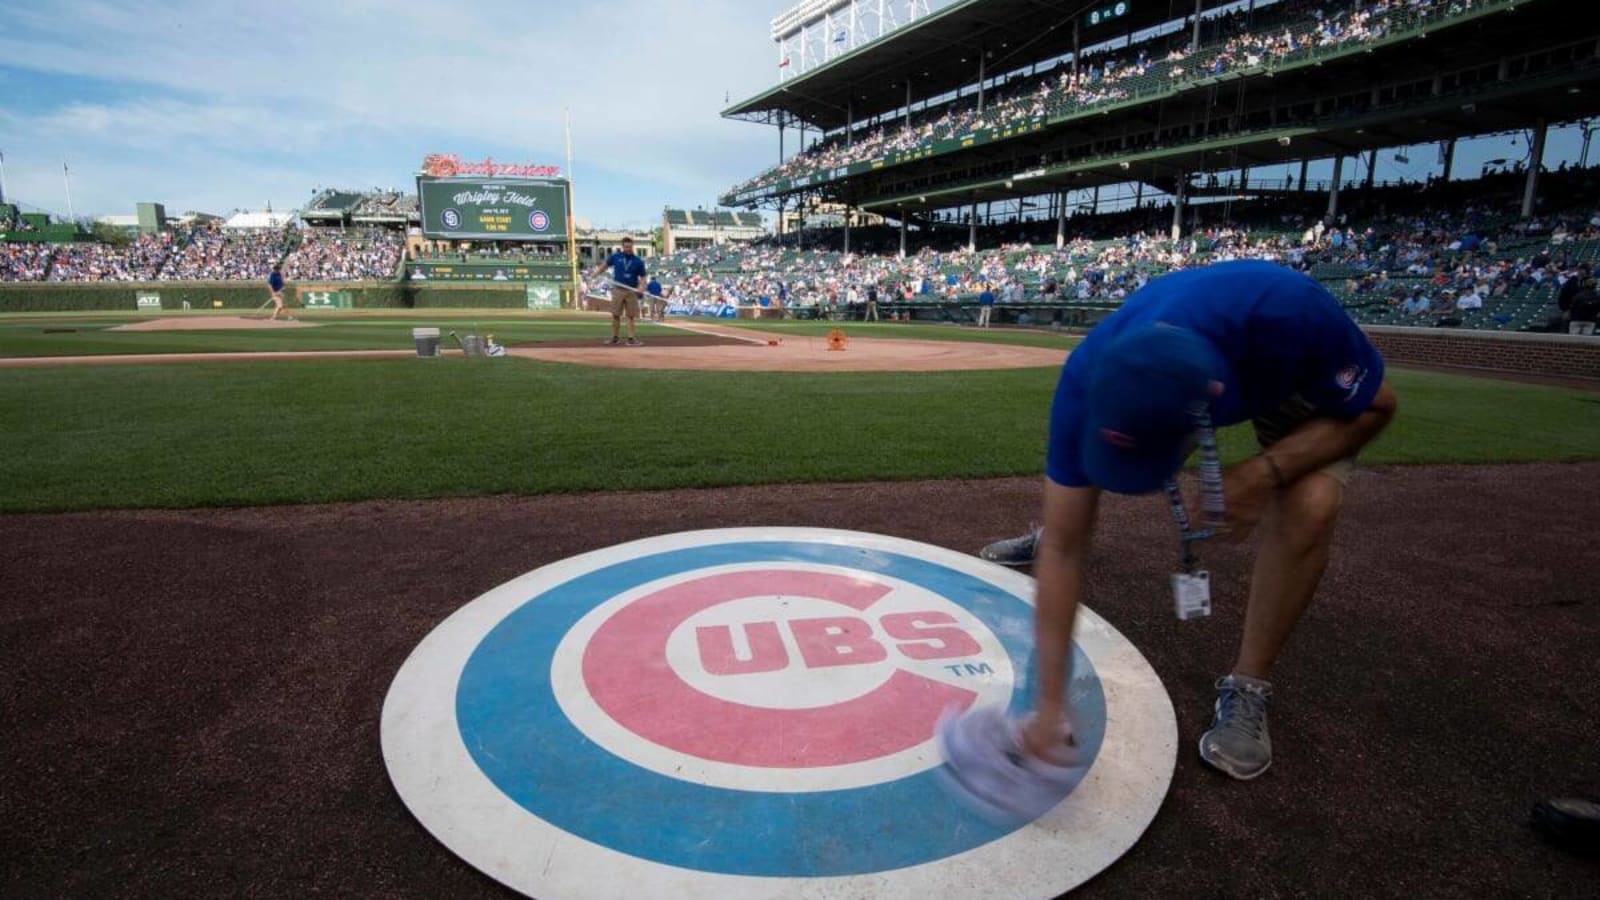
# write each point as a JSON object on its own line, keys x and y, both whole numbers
{"x": 206, "y": 252}
{"x": 1423, "y": 258}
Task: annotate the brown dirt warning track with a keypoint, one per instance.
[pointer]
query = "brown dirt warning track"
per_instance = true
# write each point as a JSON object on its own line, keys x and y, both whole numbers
{"x": 191, "y": 698}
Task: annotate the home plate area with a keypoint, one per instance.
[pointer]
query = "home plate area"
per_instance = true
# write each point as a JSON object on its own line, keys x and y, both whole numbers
{"x": 750, "y": 713}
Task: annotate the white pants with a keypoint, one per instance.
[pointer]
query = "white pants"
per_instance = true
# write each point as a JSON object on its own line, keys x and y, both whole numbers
{"x": 983, "y": 316}
{"x": 1580, "y": 328}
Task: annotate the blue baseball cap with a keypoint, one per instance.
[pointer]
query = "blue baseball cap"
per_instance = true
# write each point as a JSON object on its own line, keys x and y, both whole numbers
{"x": 1141, "y": 403}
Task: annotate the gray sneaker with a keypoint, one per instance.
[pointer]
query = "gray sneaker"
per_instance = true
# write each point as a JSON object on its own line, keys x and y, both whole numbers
{"x": 1017, "y": 551}
{"x": 1238, "y": 743}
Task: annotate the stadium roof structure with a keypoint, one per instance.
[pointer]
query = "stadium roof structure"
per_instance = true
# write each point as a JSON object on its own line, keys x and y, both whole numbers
{"x": 381, "y": 207}
{"x": 702, "y": 218}
{"x": 938, "y": 54}
{"x": 332, "y": 204}
{"x": 1498, "y": 66}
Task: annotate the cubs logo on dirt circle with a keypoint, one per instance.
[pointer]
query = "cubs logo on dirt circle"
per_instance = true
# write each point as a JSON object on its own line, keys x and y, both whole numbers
{"x": 750, "y": 712}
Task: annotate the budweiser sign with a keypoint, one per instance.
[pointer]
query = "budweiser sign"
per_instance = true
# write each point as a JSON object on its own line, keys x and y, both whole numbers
{"x": 445, "y": 165}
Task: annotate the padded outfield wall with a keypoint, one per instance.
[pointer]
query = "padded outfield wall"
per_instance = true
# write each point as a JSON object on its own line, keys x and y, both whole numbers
{"x": 233, "y": 295}
{"x": 1557, "y": 355}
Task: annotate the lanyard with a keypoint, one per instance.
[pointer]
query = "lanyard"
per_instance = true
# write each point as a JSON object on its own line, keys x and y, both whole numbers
{"x": 1211, "y": 501}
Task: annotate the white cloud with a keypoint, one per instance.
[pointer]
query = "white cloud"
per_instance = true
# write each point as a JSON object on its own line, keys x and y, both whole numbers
{"x": 165, "y": 122}
{"x": 309, "y": 90}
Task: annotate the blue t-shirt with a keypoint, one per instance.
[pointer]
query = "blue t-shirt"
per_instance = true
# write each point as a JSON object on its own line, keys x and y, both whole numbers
{"x": 1278, "y": 334}
{"x": 653, "y": 288}
{"x": 626, "y": 268}
{"x": 275, "y": 281}
{"x": 986, "y": 298}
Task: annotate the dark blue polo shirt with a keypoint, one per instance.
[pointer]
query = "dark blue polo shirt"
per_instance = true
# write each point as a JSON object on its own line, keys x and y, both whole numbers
{"x": 626, "y": 268}
{"x": 1278, "y": 333}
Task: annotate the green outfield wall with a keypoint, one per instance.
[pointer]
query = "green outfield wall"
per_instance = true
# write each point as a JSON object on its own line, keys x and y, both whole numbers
{"x": 134, "y": 298}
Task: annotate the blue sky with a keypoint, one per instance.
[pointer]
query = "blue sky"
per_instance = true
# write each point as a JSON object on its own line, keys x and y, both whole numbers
{"x": 218, "y": 105}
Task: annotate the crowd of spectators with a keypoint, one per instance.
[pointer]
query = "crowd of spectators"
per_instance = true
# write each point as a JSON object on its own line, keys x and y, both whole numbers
{"x": 139, "y": 260}
{"x": 214, "y": 254}
{"x": 1084, "y": 270}
{"x": 1427, "y": 256}
{"x": 1243, "y": 41}
{"x": 210, "y": 253}
{"x": 24, "y": 262}
{"x": 337, "y": 256}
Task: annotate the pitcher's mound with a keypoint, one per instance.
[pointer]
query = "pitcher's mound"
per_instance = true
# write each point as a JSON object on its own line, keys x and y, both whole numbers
{"x": 211, "y": 323}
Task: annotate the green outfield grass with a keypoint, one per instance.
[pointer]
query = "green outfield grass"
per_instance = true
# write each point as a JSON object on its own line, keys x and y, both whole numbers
{"x": 262, "y": 433}
{"x": 92, "y": 335}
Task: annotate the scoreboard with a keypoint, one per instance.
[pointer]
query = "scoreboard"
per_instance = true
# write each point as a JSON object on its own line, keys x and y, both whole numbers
{"x": 496, "y": 209}
{"x": 1105, "y": 12}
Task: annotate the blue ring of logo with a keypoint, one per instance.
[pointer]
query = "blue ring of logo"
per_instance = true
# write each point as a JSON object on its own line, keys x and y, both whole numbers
{"x": 450, "y": 218}
{"x": 538, "y": 221}
{"x": 514, "y": 729}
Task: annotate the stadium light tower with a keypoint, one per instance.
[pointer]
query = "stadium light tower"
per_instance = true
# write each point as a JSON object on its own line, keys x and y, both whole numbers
{"x": 813, "y": 32}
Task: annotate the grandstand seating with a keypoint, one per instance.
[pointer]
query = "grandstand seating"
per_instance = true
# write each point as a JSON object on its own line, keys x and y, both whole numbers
{"x": 1285, "y": 33}
{"x": 1446, "y": 241}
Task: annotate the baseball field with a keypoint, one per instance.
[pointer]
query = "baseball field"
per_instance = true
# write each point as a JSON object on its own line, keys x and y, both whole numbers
{"x": 212, "y": 562}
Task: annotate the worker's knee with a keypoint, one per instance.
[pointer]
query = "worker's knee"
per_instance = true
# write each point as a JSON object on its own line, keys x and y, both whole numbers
{"x": 1309, "y": 508}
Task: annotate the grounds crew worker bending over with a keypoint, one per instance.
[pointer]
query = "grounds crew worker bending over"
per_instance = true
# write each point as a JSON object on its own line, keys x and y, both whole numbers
{"x": 627, "y": 277}
{"x": 1195, "y": 349}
